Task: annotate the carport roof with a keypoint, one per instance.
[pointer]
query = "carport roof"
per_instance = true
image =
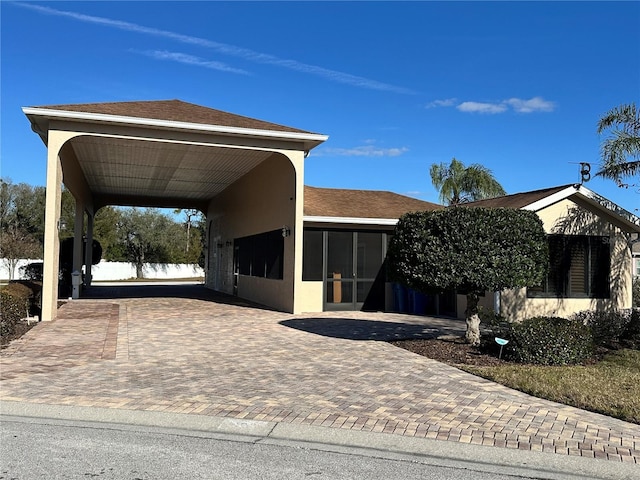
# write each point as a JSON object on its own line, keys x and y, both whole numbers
{"x": 174, "y": 111}
{"x": 168, "y": 114}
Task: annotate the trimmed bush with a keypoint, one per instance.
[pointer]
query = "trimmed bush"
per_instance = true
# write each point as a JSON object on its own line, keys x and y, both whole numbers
{"x": 14, "y": 302}
{"x": 549, "y": 341}
{"x": 636, "y": 292}
{"x": 32, "y": 271}
{"x": 607, "y": 328}
{"x": 630, "y": 338}
{"x": 620, "y": 328}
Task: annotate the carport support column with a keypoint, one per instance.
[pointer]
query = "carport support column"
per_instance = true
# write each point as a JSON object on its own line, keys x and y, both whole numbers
{"x": 297, "y": 159}
{"x": 77, "y": 237}
{"x": 88, "y": 256}
{"x": 51, "y": 225}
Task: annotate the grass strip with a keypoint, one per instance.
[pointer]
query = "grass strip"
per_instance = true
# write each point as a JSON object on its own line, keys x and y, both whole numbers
{"x": 610, "y": 387}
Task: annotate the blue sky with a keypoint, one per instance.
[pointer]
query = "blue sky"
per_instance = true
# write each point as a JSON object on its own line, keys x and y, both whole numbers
{"x": 515, "y": 86}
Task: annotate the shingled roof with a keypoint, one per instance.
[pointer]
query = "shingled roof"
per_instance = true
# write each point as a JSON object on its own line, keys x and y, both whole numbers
{"x": 175, "y": 111}
{"x": 517, "y": 200}
{"x": 336, "y": 202}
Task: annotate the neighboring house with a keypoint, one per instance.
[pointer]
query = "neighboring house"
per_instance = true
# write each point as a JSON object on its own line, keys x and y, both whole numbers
{"x": 274, "y": 241}
{"x": 636, "y": 259}
{"x": 590, "y": 241}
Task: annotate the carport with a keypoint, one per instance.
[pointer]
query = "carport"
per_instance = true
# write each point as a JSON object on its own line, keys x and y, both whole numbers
{"x": 246, "y": 175}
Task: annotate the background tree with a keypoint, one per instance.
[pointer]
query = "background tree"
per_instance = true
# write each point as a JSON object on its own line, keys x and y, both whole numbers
{"x": 15, "y": 245}
{"x": 126, "y": 235}
{"x": 470, "y": 250}
{"x": 144, "y": 235}
{"x": 191, "y": 216}
{"x": 620, "y": 150}
{"x": 105, "y": 231}
{"x": 459, "y": 184}
{"x": 20, "y": 234}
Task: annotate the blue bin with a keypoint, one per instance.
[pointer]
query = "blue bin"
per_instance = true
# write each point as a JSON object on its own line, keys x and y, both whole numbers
{"x": 418, "y": 303}
{"x": 400, "y": 298}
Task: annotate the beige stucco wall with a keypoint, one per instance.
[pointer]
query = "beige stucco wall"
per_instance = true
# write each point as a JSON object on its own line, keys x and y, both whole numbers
{"x": 311, "y": 295}
{"x": 263, "y": 200}
{"x": 568, "y": 217}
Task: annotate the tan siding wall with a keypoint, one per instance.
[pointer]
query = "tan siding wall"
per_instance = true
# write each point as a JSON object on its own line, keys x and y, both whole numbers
{"x": 262, "y": 200}
{"x": 310, "y": 296}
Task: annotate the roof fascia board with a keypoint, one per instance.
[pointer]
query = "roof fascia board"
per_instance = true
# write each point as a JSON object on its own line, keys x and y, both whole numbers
{"x": 551, "y": 199}
{"x": 353, "y": 220}
{"x": 606, "y": 204}
{"x": 150, "y": 122}
{"x": 627, "y": 217}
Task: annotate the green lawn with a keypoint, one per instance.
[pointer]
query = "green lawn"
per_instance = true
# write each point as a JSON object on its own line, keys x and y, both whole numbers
{"x": 611, "y": 386}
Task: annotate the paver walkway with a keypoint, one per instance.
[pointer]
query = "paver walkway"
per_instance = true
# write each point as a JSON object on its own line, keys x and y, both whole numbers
{"x": 203, "y": 354}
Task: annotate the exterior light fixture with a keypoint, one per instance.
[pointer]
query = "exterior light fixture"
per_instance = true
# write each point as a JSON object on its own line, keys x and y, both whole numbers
{"x": 62, "y": 225}
{"x": 286, "y": 231}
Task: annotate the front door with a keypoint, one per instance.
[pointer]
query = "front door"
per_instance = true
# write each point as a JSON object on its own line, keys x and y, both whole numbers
{"x": 353, "y": 262}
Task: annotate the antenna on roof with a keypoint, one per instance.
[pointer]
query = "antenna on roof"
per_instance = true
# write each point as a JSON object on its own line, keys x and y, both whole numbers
{"x": 585, "y": 172}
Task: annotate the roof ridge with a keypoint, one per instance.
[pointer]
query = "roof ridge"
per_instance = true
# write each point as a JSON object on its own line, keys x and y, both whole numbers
{"x": 174, "y": 110}
{"x": 367, "y": 190}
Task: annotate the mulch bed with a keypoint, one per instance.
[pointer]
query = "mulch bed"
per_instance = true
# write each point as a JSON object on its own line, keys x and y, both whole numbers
{"x": 453, "y": 351}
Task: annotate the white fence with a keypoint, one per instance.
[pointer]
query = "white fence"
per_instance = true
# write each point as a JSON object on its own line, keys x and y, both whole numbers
{"x": 109, "y": 271}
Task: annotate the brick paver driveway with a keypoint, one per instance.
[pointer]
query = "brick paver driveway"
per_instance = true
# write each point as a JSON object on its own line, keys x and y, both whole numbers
{"x": 204, "y": 354}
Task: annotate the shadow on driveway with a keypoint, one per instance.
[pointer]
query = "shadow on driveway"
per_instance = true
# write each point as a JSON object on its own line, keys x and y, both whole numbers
{"x": 188, "y": 290}
{"x": 357, "y": 329}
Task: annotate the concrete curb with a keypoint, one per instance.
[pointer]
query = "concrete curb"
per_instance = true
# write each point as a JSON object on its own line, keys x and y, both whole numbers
{"x": 380, "y": 445}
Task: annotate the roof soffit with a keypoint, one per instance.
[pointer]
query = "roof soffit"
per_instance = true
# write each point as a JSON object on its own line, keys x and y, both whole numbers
{"x": 118, "y": 169}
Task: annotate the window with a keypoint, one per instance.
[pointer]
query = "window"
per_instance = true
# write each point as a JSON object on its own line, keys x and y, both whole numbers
{"x": 579, "y": 266}
{"x": 261, "y": 255}
{"x": 312, "y": 255}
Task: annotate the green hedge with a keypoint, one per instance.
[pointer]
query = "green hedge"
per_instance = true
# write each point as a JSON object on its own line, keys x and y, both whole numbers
{"x": 606, "y": 327}
{"x": 549, "y": 341}
{"x": 14, "y": 303}
{"x": 16, "y": 299}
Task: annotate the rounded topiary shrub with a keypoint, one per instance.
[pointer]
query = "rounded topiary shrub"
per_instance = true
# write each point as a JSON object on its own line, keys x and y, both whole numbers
{"x": 550, "y": 341}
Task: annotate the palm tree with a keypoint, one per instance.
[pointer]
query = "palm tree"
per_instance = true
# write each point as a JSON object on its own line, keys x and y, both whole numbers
{"x": 620, "y": 151}
{"x": 459, "y": 184}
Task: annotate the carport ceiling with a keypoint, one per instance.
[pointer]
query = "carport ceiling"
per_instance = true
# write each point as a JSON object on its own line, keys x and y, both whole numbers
{"x": 117, "y": 168}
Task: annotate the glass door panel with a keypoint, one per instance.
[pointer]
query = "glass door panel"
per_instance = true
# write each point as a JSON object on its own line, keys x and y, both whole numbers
{"x": 369, "y": 259}
{"x": 339, "y": 272}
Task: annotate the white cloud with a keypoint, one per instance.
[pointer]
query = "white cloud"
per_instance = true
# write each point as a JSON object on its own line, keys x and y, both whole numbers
{"x": 231, "y": 50}
{"x": 535, "y": 104}
{"x": 191, "y": 60}
{"x": 362, "y": 151}
{"x": 480, "y": 107}
{"x": 447, "y": 102}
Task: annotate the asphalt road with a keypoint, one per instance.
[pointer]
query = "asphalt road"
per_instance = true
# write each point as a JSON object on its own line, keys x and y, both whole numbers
{"x": 52, "y": 449}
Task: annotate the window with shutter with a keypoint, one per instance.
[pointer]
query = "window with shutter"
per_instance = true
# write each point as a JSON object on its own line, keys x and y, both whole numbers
{"x": 577, "y": 248}
{"x": 579, "y": 266}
